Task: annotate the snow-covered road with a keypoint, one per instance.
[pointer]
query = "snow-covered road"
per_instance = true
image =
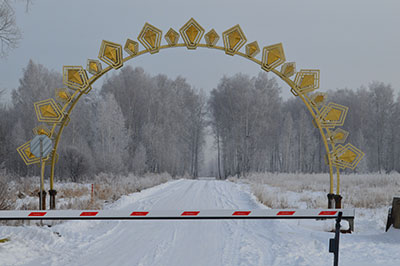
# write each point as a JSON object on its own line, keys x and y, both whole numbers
{"x": 174, "y": 243}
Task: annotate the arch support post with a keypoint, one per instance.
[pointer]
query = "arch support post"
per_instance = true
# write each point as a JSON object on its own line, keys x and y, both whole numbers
{"x": 338, "y": 201}
{"x": 52, "y": 194}
{"x": 331, "y": 200}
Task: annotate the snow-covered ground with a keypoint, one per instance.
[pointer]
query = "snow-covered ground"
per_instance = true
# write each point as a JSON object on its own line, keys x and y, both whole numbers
{"x": 224, "y": 242}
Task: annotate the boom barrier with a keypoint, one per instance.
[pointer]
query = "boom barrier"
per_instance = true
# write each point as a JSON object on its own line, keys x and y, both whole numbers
{"x": 175, "y": 214}
{"x": 347, "y": 214}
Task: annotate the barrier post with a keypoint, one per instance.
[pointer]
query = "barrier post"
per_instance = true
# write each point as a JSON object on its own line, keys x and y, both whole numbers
{"x": 334, "y": 242}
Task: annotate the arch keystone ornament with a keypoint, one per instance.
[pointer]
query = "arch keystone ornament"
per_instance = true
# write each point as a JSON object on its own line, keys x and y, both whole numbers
{"x": 325, "y": 117}
{"x": 192, "y": 32}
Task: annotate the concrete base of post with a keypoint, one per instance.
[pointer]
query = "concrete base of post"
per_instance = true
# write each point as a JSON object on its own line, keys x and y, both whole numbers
{"x": 396, "y": 212}
{"x": 42, "y": 200}
{"x": 331, "y": 201}
{"x": 338, "y": 201}
{"x": 52, "y": 194}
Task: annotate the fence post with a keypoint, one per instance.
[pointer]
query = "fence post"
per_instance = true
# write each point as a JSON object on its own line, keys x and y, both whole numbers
{"x": 92, "y": 194}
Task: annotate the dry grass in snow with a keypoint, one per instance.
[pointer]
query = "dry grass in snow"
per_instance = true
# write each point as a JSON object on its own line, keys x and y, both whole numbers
{"x": 278, "y": 190}
{"x": 22, "y": 193}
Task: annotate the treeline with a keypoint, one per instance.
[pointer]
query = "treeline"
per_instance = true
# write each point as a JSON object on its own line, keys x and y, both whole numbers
{"x": 256, "y": 131}
{"x": 141, "y": 123}
{"x": 134, "y": 123}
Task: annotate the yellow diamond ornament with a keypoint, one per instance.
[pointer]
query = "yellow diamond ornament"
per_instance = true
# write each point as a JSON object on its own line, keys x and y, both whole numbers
{"x": 288, "y": 69}
{"x": 41, "y": 130}
{"x": 318, "y": 99}
{"x": 211, "y": 37}
{"x": 25, "y": 152}
{"x": 273, "y": 56}
{"x": 48, "y": 111}
{"x": 93, "y": 66}
{"x": 339, "y": 136}
{"x": 252, "y": 49}
{"x": 333, "y": 115}
{"x": 131, "y": 47}
{"x": 111, "y": 54}
{"x": 307, "y": 80}
{"x": 75, "y": 77}
{"x": 150, "y": 38}
{"x": 62, "y": 95}
{"x": 172, "y": 37}
{"x": 234, "y": 39}
{"x": 347, "y": 156}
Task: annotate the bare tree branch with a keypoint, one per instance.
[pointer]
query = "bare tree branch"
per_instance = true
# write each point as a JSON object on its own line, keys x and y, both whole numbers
{"x": 9, "y": 32}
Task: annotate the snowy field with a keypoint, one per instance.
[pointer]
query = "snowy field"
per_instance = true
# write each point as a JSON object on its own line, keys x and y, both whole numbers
{"x": 226, "y": 242}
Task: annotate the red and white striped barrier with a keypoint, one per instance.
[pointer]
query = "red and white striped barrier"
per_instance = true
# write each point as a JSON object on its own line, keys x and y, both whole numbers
{"x": 175, "y": 214}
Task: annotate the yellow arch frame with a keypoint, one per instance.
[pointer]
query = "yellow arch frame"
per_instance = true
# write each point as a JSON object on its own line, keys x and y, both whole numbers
{"x": 325, "y": 117}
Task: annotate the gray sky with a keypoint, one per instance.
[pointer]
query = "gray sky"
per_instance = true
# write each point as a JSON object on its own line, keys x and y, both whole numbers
{"x": 351, "y": 42}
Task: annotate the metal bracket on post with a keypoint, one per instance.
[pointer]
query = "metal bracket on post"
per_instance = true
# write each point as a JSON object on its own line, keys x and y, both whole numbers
{"x": 334, "y": 242}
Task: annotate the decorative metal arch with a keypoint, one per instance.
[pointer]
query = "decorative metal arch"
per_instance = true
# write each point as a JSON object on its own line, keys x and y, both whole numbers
{"x": 326, "y": 117}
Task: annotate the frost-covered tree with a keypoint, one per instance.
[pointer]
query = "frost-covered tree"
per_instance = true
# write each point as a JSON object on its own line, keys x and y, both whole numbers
{"x": 164, "y": 116}
{"x": 111, "y": 136}
{"x": 245, "y": 114}
{"x": 37, "y": 83}
{"x": 139, "y": 160}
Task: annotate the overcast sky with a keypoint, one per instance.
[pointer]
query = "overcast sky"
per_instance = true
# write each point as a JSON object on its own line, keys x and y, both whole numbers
{"x": 351, "y": 42}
